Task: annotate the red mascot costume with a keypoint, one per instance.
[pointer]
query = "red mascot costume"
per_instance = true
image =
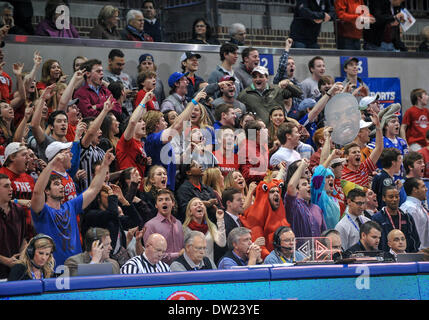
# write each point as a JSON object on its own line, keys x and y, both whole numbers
{"x": 265, "y": 216}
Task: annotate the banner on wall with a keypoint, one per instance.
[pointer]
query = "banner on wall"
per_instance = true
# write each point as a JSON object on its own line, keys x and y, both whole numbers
{"x": 388, "y": 89}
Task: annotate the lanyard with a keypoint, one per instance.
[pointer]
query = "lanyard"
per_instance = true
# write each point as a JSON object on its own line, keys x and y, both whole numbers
{"x": 353, "y": 223}
{"x": 391, "y": 221}
{"x": 34, "y": 276}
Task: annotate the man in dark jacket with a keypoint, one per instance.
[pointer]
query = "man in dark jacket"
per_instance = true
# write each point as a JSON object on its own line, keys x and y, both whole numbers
{"x": 391, "y": 217}
{"x": 384, "y": 34}
{"x": 307, "y": 22}
{"x": 134, "y": 31}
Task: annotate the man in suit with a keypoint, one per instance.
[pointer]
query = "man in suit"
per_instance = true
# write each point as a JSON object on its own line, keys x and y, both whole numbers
{"x": 233, "y": 202}
{"x": 97, "y": 250}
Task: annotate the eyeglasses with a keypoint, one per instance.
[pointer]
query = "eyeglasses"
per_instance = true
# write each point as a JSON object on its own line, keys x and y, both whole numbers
{"x": 359, "y": 203}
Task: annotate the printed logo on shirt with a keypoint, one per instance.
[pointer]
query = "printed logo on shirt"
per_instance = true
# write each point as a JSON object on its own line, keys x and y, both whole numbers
{"x": 422, "y": 122}
{"x": 22, "y": 186}
{"x": 387, "y": 182}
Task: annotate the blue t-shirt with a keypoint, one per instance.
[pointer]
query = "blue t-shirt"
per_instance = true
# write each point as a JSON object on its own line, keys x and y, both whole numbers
{"x": 162, "y": 154}
{"x": 311, "y": 128}
{"x": 61, "y": 226}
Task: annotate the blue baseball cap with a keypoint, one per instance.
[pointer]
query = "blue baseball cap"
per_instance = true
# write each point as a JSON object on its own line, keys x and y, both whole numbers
{"x": 306, "y": 103}
{"x": 176, "y": 77}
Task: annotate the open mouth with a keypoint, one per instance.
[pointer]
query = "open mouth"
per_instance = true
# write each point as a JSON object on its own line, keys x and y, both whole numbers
{"x": 164, "y": 182}
{"x": 164, "y": 207}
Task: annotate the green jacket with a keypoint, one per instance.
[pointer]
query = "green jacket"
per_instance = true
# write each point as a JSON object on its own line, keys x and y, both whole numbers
{"x": 273, "y": 96}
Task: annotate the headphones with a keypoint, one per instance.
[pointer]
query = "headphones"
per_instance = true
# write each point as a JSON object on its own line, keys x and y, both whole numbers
{"x": 276, "y": 236}
{"x": 31, "y": 250}
{"x": 92, "y": 237}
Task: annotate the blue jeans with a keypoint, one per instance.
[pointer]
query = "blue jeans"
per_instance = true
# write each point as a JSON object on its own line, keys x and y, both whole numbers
{"x": 348, "y": 44}
{"x": 297, "y": 44}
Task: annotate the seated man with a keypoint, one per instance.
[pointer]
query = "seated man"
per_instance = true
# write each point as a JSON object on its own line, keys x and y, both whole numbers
{"x": 283, "y": 241}
{"x": 397, "y": 242}
{"x": 333, "y": 240}
{"x": 242, "y": 251}
{"x": 150, "y": 260}
{"x": 348, "y": 227}
{"x": 97, "y": 250}
{"x": 193, "y": 258}
{"x": 370, "y": 235}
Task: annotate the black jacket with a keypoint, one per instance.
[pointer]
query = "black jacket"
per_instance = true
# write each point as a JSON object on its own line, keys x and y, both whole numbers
{"x": 303, "y": 28}
{"x": 187, "y": 191}
{"x": 381, "y": 10}
{"x": 111, "y": 220}
{"x": 408, "y": 228}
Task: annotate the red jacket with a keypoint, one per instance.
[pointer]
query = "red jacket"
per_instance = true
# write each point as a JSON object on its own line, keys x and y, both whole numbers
{"x": 88, "y": 98}
{"x": 346, "y": 13}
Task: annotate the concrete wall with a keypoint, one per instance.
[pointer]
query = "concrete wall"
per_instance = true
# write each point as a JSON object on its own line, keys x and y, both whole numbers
{"x": 412, "y": 69}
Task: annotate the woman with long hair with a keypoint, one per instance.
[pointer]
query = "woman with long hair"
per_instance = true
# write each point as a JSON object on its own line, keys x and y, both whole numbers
{"x": 109, "y": 136}
{"x": 156, "y": 180}
{"x": 196, "y": 219}
{"x": 7, "y": 127}
{"x": 36, "y": 260}
{"x": 51, "y": 73}
{"x": 202, "y": 33}
{"x": 213, "y": 178}
{"x": 276, "y": 118}
{"x": 236, "y": 180}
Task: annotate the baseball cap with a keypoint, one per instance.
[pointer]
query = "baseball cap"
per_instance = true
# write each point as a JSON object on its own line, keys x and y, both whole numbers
{"x": 261, "y": 70}
{"x": 12, "y": 148}
{"x": 306, "y": 103}
{"x": 227, "y": 78}
{"x": 176, "y": 77}
{"x": 146, "y": 57}
{"x": 364, "y": 124}
{"x": 366, "y": 101}
{"x": 337, "y": 160}
{"x": 72, "y": 102}
{"x": 188, "y": 55}
{"x": 350, "y": 60}
{"x": 55, "y": 147}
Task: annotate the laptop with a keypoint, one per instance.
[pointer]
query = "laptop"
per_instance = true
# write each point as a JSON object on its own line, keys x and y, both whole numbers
{"x": 409, "y": 257}
{"x": 94, "y": 269}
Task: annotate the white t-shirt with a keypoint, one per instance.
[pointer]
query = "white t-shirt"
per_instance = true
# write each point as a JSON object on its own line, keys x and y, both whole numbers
{"x": 284, "y": 154}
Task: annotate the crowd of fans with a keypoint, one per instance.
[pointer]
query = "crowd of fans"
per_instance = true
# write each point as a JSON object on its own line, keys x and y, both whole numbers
{"x": 219, "y": 173}
{"x": 376, "y": 26}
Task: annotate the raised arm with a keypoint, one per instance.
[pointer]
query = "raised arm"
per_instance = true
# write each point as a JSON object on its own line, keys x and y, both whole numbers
{"x": 177, "y": 125}
{"x": 29, "y": 78}
{"x": 19, "y": 132}
{"x": 293, "y": 182}
{"x": 282, "y": 69}
{"x": 98, "y": 181}
{"x": 20, "y": 98}
{"x": 320, "y": 105}
{"x": 38, "y": 197}
{"x": 37, "y": 130}
{"x": 326, "y": 148}
{"x": 74, "y": 83}
{"x": 138, "y": 112}
{"x": 379, "y": 145}
{"x": 96, "y": 124}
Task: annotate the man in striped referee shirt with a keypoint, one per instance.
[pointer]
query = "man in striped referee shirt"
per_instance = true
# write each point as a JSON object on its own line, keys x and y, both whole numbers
{"x": 150, "y": 260}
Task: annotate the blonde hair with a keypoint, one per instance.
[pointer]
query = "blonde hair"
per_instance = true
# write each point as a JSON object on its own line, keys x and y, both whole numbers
{"x": 204, "y": 121}
{"x": 211, "y": 178}
{"x": 188, "y": 217}
{"x": 151, "y": 118}
{"x": 106, "y": 12}
{"x": 229, "y": 182}
{"x": 48, "y": 267}
{"x": 151, "y": 173}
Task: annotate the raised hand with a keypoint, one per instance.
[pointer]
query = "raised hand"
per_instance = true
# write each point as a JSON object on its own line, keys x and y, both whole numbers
{"x": 108, "y": 104}
{"x": 288, "y": 44}
{"x": 108, "y": 157}
{"x": 17, "y": 69}
{"x": 80, "y": 130}
{"x": 37, "y": 58}
{"x": 96, "y": 251}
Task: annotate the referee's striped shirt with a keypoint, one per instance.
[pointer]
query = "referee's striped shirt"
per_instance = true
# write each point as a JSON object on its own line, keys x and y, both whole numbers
{"x": 140, "y": 264}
